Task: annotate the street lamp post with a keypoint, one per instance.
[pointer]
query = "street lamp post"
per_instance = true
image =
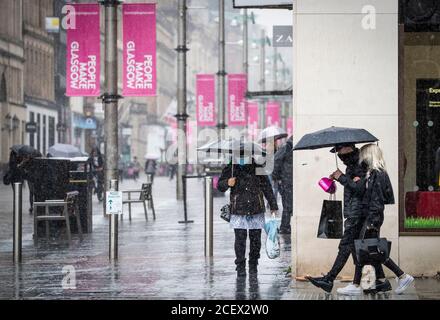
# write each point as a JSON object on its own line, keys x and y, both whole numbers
{"x": 221, "y": 124}
{"x": 110, "y": 98}
{"x": 262, "y": 77}
{"x": 181, "y": 116}
{"x": 245, "y": 45}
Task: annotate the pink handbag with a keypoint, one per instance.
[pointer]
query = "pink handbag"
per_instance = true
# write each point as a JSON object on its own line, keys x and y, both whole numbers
{"x": 328, "y": 185}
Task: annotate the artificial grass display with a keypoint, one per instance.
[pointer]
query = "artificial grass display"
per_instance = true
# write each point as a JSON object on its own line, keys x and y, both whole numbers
{"x": 420, "y": 223}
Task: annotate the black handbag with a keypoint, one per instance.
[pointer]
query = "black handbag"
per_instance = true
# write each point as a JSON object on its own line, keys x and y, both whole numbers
{"x": 331, "y": 222}
{"x": 226, "y": 213}
{"x": 373, "y": 250}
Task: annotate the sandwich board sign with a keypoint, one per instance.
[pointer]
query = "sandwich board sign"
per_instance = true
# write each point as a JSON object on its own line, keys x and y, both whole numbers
{"x": 114, "y": 202}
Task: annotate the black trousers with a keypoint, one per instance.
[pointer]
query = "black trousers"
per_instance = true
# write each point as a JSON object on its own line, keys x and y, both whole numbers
{"x": 287, "y": 199}
{"x": 352, "y": 229}
{"x": 240, "y": 246}
{"x": 390, "y": 264}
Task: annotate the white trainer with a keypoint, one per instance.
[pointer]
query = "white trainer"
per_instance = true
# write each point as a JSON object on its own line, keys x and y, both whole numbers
{"x": 403, "y": 283}
{"x": 350, "y": 290}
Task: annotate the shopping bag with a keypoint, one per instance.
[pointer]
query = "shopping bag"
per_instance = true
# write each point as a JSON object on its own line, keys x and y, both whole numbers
{"x": 331, "y": 222}
{"x": 273, "y": 239}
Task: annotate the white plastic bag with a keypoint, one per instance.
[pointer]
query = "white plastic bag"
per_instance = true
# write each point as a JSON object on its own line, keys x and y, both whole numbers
{"x": 273, "y": 239}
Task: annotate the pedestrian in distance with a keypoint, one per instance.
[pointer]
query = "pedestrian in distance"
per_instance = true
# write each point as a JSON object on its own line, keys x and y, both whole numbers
{"x": 353, "y": 196}
{"x": 247, "y": 193}
{"x": 283, "y": 176}
{"x": 151, "y": 168}
{"x": 378, "y": 193}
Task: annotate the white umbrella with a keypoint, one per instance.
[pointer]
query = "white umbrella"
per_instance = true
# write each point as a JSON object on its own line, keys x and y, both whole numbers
{"x": 274, "y": 133}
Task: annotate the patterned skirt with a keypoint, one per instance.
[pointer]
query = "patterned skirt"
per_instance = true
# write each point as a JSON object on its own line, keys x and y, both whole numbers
{"x": 253, "y": 222}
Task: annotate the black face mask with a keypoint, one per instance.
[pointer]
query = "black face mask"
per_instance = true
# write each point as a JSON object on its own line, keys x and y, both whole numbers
{"x": 349, "y": 158}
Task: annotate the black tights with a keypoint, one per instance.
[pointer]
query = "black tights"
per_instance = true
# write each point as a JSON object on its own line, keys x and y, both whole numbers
{"x": 240, "y": 246}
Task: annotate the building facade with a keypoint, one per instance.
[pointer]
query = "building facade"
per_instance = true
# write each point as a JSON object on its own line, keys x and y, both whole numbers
{"x": 13, "y": 114}
{"x": 356, "y": 64}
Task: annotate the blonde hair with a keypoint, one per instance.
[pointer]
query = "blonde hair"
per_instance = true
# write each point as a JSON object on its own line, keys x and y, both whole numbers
{"x": 372, "y": 155}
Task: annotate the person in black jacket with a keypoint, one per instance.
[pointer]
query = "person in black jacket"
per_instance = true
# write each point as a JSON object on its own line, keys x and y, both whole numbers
{"x": 283, "y": 174}
{"x": 379, "y": 192}
{"x": 353, "y": 194}
{"x": 248, "y": 190}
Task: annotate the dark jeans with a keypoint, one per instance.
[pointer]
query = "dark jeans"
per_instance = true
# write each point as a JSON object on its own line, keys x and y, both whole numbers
{"x": 287, "y": 200}
{"x": 390, "y": 264}
{"x": 352, "y": 229}
{"x": 240, "y": 246}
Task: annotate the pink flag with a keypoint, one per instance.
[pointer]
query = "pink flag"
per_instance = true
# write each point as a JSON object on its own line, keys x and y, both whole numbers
{"x": 83, "y": 53}
{"x": 205, "y": 100}
{"x": 236, "y": 99}
{"x": 139, "y": 46}
{"x": 289, "y": 126}
{"x": 273, "y": 114}
{"x": 252, "y": 119}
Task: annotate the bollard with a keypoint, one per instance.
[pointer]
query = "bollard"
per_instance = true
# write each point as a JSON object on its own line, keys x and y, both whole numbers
{"x": 209, "y": 217}
{"x": 17, "y": 224}
{"x": 113, "y": 229}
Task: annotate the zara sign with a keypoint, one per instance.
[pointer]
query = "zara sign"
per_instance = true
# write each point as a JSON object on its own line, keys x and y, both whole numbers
{"x": 282, "y": 36}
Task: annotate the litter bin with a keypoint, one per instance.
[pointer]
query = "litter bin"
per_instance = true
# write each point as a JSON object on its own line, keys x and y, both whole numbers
{"x": 80, "y": 179}
{"x": 214, "y": 168}
{"x": 51, "y": 180}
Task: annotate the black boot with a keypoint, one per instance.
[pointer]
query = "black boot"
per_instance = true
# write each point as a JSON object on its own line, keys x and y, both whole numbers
{"x": 253, "y": 268}
{"x": 384, "y": 286}
{"x": 325, "y": 283}
{"x": 241, "y": 270}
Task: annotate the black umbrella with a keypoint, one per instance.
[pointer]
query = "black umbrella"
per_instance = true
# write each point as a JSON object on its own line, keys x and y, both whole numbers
{"x": 23, "y": 150}
{"x": 333, "y": 137}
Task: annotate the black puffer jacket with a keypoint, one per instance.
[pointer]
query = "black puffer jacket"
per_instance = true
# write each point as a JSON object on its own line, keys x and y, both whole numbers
{"x": 283, "y": 167}
{"x": 379, "y": 192}
{"x": 247, "y": 197}
{"x": 353, "y": 191}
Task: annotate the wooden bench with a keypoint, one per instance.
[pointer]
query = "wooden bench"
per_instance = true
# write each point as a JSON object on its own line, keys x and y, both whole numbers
{"x": 145, "y": 196}
{"x": 70, "y": 207}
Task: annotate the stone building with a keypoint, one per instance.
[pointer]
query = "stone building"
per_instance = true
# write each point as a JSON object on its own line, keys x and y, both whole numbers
{"x": 13, "y": 114}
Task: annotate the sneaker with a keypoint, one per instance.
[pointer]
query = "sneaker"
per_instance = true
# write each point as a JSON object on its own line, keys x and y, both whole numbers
{"x": 403, "y": 283}
{"x": 350, "y": 290}
{"x": 324, "y": 283}
{"x": 380, "y": 286}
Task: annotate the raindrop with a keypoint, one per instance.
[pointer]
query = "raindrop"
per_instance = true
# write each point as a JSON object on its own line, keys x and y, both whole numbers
{"x": 416, "y": 188}
{"x": 431, "y": 188}
{"x": 415, "y": 124}
{"x": 430, "y": 124}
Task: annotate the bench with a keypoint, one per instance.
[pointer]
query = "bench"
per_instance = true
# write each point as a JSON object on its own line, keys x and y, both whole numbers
{"x": 145, "y": 195}
{"x": 70, "y": 207}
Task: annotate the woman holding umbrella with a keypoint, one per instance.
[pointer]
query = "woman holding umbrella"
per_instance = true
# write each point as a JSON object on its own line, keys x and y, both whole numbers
{"x": 248, "y": 190}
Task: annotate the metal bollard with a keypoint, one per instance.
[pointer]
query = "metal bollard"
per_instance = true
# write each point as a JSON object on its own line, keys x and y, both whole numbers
{"x": 17, "y": 224}
{"x": 113, "y": 229}
{"x": 209, "y": 218}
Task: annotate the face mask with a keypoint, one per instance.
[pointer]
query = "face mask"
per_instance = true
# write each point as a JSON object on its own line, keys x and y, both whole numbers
{"x": 349, "y": 158}
{"x": 243, "y": 161}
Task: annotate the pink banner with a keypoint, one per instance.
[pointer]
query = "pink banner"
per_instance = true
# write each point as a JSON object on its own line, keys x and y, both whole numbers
{"x": 237, "y": 87}
{"x": 289, "y": 126}
{"x": 252, "y": 119}
{"x": 273, "y": 114}
{"x": 139, "y": 46}
{"x": 205, "y": 100}
{"x": 83, "y": 53}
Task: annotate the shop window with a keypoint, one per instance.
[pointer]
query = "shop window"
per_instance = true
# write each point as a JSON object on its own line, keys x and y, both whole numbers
{"x": 419, "y": 118}
{"x": 51, "y": 131}
{"x": 3, "y": 96}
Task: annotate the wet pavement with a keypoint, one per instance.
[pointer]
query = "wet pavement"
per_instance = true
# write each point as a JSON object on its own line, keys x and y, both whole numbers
{"x": 159, "y": 259}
